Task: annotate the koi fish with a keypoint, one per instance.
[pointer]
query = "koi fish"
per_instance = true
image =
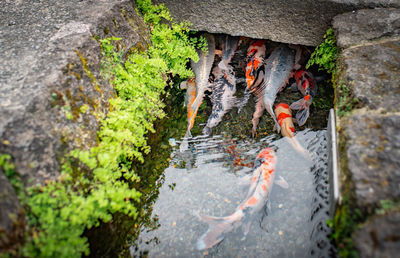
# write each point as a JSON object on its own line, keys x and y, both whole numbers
{"x": 255, "y": 70}
{"x": 261, "y": 184}
{"x": 190, "y": 86}
{"x": 285, "y": 120}
{"x": 222, "y": 97}
{"x": 306, "y": 84}
{"x": 255, "y": 67}
{"x": 278, "y": 70}
{"x": 229, "y": 46}
{"x": 202, "y": 70}
{"x": 284, "y": 116}
{"x": 224, "y": 86}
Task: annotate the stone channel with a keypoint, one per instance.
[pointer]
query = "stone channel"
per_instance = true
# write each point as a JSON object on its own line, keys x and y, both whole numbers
{"x": 48, "y": 57}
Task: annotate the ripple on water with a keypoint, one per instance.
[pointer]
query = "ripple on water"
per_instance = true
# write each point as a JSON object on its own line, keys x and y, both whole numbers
{"x": 205, "y": 180}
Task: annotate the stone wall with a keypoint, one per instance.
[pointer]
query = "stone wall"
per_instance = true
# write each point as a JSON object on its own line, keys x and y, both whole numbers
{"x": 296, "y": 21}
{"x": 50, "y": 66}
{"x": 369, "y": 42}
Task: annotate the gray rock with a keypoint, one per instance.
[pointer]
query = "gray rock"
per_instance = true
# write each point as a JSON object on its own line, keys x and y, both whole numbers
{"x": 364, "y": 26}
{"x": 373, "y": 157}
{"x": 296, "y": 21}
{"x": 49, "y": 59}
{"x": 372, "y": 72}
{"x": 12, "y": 216}
{"x": 379, "y": 237}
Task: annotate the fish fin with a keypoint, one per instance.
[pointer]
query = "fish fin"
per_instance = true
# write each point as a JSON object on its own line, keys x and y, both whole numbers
{"x": 245, "y": 180}
{"x": 302, "y": 116}
{"x": 299, "y": 104}
{"x": 218, "y": 227}
{"x": 293, "y": 87}
{"x": 184, "y": 85}
{"x": 206, "y": 130}
{"x": 240, "y": 103}
{"x": 269, "y": 207}
{"x": 222, "y": 65}
{"x": 268, "y": 107}
{"x": 297, "y": 147}
{"x": 246, "y": 227}
{"x": 282, "y": 182}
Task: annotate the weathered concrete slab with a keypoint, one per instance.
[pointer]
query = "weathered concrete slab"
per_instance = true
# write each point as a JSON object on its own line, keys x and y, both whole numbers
{"x": 295, "y": 21}
{"x": 380, "y": 236}
{"x": 373, "y": 154}
{"x": 367, "y": 25}
{"x": 370, "y": 68}
{"x": 48, "y": 59}
{"x": 372, "y": 72}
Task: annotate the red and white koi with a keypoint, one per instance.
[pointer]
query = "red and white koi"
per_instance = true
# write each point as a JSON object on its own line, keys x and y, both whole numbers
{"x": 284, "y": 116}
{"x": 261, "y": 184}
{"x": 285, "y": 120}
{"x": 306, "y": 84}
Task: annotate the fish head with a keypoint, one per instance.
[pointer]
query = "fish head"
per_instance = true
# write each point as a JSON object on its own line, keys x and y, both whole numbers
{"x": 265, "y": 157}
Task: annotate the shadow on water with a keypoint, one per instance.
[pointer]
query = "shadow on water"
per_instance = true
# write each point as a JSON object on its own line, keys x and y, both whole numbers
{"x": 206, "y": 178}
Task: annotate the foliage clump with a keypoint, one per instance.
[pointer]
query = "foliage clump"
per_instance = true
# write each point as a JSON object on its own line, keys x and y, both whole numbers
{"x": 96, "y": 183}
{"x": 325, "y": 55}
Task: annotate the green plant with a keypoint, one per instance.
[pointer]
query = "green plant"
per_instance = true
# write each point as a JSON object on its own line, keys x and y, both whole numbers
{"x": 387, "y": 205}
{"x": 9, "y": 171}
{"x": 345, "y": 102}
{"x": 344, "y": 223}
{"x": 325, "y": 55}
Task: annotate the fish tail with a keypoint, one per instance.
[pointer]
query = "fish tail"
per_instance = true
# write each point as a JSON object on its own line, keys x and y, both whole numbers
{"x": 218, "y": 227}
{"x": 304, "y": 106}
{"x": 268, "y": 107}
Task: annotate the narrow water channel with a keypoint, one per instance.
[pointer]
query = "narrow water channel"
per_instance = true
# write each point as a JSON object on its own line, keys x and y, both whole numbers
{"x": 205, "y": 179}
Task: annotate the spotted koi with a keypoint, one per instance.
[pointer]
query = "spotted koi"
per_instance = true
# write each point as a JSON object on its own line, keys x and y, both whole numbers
{"x": 224, "y": 86}
{"x": 262, "y": 179}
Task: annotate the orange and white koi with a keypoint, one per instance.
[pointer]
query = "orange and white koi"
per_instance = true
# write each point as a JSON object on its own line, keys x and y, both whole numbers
{"x": 306, "y": 84}
{"x": 202, "y": 69}
{"x": 261, "y": 184}
{"x": 190, "y": 86}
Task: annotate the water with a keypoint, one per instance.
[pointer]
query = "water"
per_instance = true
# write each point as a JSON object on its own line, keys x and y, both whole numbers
{"x": 206, "y": 179}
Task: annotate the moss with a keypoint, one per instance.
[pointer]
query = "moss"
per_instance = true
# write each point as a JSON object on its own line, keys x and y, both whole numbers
{"x": 87, "y": 71}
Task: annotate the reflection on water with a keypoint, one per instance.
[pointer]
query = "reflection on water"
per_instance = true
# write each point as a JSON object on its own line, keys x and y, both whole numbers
{"x": 207, "y": 179}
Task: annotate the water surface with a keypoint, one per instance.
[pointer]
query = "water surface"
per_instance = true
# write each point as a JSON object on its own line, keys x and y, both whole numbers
{"x": 206, "y": 179}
